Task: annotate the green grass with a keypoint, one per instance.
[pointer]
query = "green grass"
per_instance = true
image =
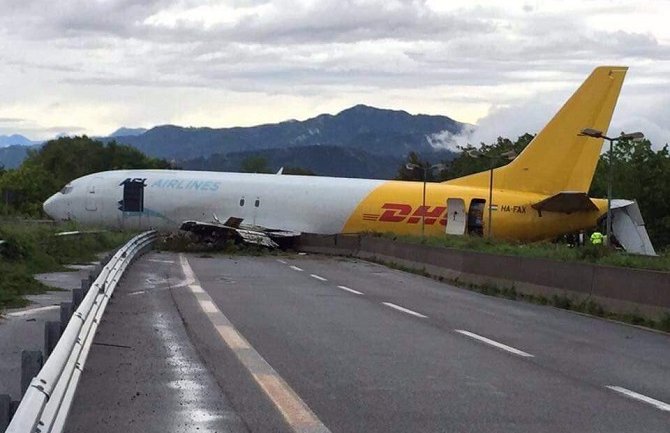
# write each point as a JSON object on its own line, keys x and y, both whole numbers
{"x": 546, "y": 250}
{"x": 33, "y": 248}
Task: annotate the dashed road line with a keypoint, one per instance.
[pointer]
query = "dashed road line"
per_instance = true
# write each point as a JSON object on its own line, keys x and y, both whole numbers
{"x": 295, "y": 411}
{"x": 317, "y": 277}
{"x": 138, "y": 292}
{"x": 283, "y": 262}
{"x": 404, "y": 310}
{"x": 494, "y": 343}
{"x": 640, "y": 397}
{"x": 356, "y": 292}
{"x": 295, "y": 268}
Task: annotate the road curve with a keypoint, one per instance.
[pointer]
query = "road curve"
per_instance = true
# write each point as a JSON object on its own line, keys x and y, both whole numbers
{"x": 312, "y": 343}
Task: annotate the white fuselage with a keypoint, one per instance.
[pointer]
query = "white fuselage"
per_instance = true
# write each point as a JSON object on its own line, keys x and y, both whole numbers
{"x": 169, "y": 197}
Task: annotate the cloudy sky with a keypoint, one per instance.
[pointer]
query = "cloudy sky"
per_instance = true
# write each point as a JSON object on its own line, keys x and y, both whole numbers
{"x": 91, "y": 66}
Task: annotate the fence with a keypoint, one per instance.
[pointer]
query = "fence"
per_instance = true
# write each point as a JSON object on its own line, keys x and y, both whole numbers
{"x": 48, "y": 396}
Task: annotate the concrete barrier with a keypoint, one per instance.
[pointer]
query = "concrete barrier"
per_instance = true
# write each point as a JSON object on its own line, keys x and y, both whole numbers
{"x": 622, "y": 290}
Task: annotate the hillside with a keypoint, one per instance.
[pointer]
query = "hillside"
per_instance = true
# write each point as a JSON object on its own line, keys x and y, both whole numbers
{"x": 360, "y": 141}
{"x": 322, "y": 160}
{"x": 370, "y": 129}
{"x": 13, "y": 156}
{"x": 14, "y": 140}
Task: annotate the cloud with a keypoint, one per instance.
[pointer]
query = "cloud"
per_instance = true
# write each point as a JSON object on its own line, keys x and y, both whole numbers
{"x": 221, "y": 63}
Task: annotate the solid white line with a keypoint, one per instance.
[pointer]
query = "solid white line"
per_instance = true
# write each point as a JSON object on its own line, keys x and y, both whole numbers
{"x": 404, "y": 310}
{"x": 281, "y": 261}
{"x": 33, "y": 311}
{"x": 494, "y": 343}
{"x": 350, "y": 290}
{"x": 632, "y": 394}
{"x": 317, "y": 277}
{"x": 295, "y": 411}
{"x": 295, "y": 268}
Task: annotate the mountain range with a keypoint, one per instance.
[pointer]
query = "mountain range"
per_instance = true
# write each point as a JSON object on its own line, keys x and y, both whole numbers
{"x": 360, "y": 141}
{"x": 14, "y": 140}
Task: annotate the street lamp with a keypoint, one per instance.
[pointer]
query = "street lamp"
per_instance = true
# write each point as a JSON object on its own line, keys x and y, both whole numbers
{"x": 509, "y": 155}
{"x": 594, "y": 133}
{"x": 426, "y": 168}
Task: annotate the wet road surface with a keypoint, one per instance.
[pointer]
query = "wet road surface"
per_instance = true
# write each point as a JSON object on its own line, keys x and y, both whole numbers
{"x": 310, "y": 343}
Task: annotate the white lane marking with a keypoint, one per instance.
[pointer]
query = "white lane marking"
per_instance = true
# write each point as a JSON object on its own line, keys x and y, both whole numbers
{"x": 643, "y": 398}
{"x": 295, "y": 411}
{"x": 494, "y": 343}
{"x": 161, "y": 261}
{"x": 208, "y": 307}
{"x": 317, "y": 277}
{"x": 350, "y": 290}
{"x": 32, "y": 311}
{"x": 139, "y": 292}
{"x": 404, "y": 310}
{"x": 283, "y": 262}
{"x": 295, "y": 268}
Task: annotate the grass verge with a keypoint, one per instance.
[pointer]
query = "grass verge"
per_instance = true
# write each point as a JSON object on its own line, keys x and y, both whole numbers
{"x": 586, "y": 306}
{"x": 547, "y": 250}
{"x": 32, "y": 248}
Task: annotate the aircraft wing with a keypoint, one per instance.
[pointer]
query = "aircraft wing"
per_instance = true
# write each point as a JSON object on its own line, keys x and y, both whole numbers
{"x": 566, "y": 202}
{"x": 234, "y": 229}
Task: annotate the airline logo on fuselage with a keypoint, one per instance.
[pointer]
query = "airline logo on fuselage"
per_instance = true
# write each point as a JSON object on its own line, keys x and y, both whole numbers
{"x": 186, "y": 184}
{"x": 401, "y": 212}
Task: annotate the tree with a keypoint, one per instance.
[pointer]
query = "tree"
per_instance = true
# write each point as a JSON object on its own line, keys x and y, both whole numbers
{"x": 298, "y": 171}
{"x": 464, "y": 164}
{"x": 59, "y": 161}
{"x": 642, "y": 174}
{"x": 255, "y": 164}
{"x": 415, "y": 174}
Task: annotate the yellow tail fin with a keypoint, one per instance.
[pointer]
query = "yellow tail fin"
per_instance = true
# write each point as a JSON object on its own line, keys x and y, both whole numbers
{"x": 558, "y": 159}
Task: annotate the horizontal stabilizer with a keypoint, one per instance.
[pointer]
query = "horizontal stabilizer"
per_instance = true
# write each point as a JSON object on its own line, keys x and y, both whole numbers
{"x": 566, "y": 202}
{"x": 628, "y": 228}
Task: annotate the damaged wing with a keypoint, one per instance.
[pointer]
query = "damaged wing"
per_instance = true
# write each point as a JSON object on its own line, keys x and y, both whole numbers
{"x": 233, "y": 228}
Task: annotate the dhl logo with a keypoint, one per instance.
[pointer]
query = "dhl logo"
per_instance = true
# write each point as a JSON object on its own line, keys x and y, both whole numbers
{"x": 399, "y": 212}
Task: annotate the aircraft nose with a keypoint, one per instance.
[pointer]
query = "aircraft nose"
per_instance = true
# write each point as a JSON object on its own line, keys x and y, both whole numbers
{"x": 50, "y": 207}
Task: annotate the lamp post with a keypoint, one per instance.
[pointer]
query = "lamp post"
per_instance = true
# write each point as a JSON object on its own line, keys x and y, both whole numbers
{"x": 594, "y": 133}
{"x": 493, "y": 159}
{"x": 426, "y": 169}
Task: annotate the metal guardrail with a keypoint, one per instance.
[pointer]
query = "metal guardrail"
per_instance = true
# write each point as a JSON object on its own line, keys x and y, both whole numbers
{"x": 46, "y": 404}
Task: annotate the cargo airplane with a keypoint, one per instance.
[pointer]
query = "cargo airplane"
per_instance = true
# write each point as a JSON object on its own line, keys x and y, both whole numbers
{"x": 541, "y": 194}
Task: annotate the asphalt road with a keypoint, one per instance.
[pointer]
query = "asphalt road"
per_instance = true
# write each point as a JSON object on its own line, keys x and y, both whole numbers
{"x": 310, "y": 343}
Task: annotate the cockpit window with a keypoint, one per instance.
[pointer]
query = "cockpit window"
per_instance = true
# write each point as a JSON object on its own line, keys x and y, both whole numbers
{"x": 66, "y": 189}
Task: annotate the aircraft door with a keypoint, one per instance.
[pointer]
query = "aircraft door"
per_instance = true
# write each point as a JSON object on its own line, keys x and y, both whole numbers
{"x": 455, "y": 216}
{"x": 132, "y": 204}
{"x": 257, "y": 204}
{"x": 90, "y": 201}
{"x": 476, "y": 217}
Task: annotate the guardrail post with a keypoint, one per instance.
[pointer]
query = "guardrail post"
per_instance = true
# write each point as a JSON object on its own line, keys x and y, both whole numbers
{"x": 77, "y": 297}
{"x": 5, "y": 411}
{"x": 66, "y": 311}
{"x": 51, "y": 336}
{"x": 12, "y": 408}
{"x": 31, "y": 363}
